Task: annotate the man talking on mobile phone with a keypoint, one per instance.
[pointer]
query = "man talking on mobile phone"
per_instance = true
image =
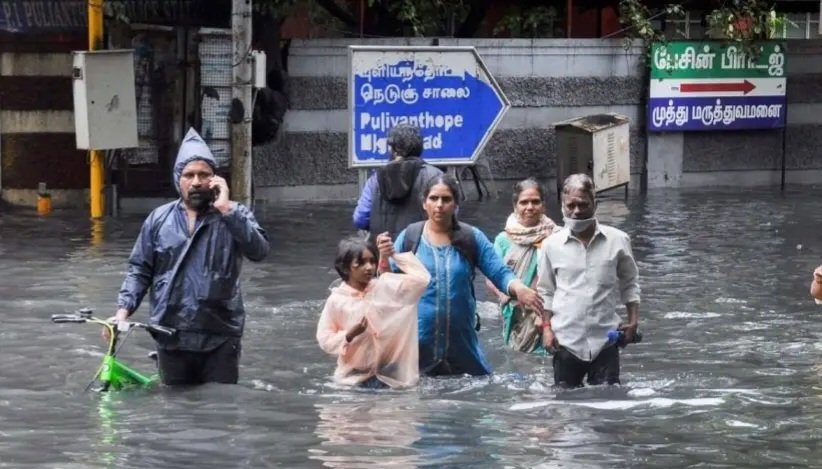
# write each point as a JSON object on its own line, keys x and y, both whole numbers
{"x": 189, "y": 253}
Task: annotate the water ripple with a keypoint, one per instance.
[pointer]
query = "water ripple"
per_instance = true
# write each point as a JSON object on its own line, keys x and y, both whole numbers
{"x": 728, "y": 374}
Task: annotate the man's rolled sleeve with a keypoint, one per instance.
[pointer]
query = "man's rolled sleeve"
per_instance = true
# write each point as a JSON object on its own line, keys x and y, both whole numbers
{"x": 546, "y": 283}
{"x": 628, "y": 274}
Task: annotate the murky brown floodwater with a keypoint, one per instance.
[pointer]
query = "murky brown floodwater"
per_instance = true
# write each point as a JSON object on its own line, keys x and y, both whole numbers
{"x": 727, "y": 375}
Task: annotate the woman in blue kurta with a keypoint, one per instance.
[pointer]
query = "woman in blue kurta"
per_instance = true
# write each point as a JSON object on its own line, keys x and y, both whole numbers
{"x": 448, "y": 341}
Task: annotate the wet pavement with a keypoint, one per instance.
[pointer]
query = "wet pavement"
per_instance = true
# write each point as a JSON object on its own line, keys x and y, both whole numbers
{"x": 727, "y": 375}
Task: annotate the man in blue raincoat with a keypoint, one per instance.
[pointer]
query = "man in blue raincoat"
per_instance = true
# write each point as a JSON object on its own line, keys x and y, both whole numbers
{"x": 189, "y": 252}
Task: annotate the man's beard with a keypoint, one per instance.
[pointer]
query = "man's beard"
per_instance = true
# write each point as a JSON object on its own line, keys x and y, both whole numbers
{"x": 200, "y": 199}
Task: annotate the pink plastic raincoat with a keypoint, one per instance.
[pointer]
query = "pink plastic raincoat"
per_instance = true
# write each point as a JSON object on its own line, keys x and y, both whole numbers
{"x": 388, "y": 348}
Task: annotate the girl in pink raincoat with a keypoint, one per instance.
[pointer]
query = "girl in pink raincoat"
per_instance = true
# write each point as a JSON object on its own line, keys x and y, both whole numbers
{"x": 370, "y": 323}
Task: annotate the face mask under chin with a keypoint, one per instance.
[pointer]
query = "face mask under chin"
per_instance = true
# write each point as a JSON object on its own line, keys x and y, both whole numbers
{"x": 579, "y": 225}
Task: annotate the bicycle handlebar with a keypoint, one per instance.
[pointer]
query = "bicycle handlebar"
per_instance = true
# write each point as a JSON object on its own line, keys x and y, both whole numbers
{"x": 84, "y": 315}
{"x": 161, "y": 329}
{"x": 59, "y": 318}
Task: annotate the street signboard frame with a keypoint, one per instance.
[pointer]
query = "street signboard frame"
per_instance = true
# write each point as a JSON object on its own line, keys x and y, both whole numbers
{"x": 379, "y": 75}
{"x": 715, "y": 86}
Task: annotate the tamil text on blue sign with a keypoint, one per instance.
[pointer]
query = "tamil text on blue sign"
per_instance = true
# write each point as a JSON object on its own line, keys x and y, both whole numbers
{"x": 446, "y": 92}
{"x": 713, "y": 86}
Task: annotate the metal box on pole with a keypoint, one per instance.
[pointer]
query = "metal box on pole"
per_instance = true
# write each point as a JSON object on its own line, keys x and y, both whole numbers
{"x": 598, "y": 145}
{"x": 259, "y": 70}
{"x": 105, "y": 107}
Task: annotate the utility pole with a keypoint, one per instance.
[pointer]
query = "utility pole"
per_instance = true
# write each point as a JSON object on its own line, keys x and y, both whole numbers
{"x": 95, "y": 42}
{"x": 241, "y": 110}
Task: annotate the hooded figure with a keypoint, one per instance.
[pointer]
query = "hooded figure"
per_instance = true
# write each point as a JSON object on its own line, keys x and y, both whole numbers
{"x": 193, "y": 148}
{"x": 392, "y": 197}
{"x": 190, "y": 254}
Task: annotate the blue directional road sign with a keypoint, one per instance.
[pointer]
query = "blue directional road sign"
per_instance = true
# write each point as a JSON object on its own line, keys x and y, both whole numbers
{"x": 446, "y": 91}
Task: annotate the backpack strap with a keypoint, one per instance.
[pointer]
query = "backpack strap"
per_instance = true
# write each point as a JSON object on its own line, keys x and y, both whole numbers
{"x": 463, "y": 240}
{"x": 413, "y": 233}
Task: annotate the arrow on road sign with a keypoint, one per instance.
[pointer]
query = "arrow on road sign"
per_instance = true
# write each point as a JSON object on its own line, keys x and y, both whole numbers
{"x": 744, "y": 87}
{"x": 445, "y": 91}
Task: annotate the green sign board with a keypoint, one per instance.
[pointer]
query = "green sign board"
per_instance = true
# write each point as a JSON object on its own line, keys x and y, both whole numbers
{"x": 716, "y": 60}
{"x": 712, "y": 85}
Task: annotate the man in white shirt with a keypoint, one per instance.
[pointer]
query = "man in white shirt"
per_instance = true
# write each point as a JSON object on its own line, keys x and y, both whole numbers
{"x": 585, "y": 271}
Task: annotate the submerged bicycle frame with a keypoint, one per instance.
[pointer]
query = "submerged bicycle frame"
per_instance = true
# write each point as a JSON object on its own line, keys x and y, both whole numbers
{"x": 114, "y": 374}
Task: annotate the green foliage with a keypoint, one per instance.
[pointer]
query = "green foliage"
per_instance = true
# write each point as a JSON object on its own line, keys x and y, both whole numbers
{"x": 115, "y": 11}
{"x": 319, "y": 16}
{"x": 426, "y": 17}
{"x": 540, "y": 21}
{"x": 744, "y": 21}
{"x": 274, "y": 8}
{"x": 636, "y": 16}
{"x": 741, "y": 21}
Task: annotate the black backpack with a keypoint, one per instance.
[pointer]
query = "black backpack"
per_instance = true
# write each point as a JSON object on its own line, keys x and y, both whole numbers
{"x": 463, "y": 241}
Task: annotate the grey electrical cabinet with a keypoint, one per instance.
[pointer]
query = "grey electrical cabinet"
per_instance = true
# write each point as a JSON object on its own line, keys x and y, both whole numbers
{"x": 598, "y": 145}
{"x": 105, "y": 107}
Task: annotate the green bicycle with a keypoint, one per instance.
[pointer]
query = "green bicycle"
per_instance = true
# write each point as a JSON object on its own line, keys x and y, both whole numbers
{"x": 113, "y": 373}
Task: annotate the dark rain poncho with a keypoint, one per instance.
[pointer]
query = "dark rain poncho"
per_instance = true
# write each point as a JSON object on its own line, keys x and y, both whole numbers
{"x": 194, "y": 280}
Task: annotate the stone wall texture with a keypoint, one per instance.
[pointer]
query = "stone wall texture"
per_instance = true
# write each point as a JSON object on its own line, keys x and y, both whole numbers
{"x": 547, "y": 81}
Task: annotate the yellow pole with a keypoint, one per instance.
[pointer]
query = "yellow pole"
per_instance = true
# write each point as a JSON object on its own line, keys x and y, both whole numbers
{"x": 95, "y": 42}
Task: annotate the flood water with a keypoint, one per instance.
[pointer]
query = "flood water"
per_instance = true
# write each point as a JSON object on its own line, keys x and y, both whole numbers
{"x": 728, "y": 374}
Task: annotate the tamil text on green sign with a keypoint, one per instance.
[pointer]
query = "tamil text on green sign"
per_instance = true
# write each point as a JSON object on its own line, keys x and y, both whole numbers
{"x": 716, "y": 86}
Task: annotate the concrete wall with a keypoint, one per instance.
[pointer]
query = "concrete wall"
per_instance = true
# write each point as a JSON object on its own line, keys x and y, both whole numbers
{"x": 546, "y": 80}
{"x": 37, "y": 141}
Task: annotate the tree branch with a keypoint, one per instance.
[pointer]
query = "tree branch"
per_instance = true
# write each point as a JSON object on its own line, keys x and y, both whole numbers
{"x": 472, "y": 22}
{"x": 338, "y": 12}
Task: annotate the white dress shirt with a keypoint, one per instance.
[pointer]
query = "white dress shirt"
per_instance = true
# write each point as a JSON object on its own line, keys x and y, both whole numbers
{"x": 583, "y": 286}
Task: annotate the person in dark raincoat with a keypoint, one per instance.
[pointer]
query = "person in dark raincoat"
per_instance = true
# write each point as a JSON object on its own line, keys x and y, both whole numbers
{"x": 390, "y": 199}
{"x": 189, "y": 253}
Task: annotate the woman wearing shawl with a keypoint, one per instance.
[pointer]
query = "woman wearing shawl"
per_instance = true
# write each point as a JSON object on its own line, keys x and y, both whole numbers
{"x": 518, "y": 245}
